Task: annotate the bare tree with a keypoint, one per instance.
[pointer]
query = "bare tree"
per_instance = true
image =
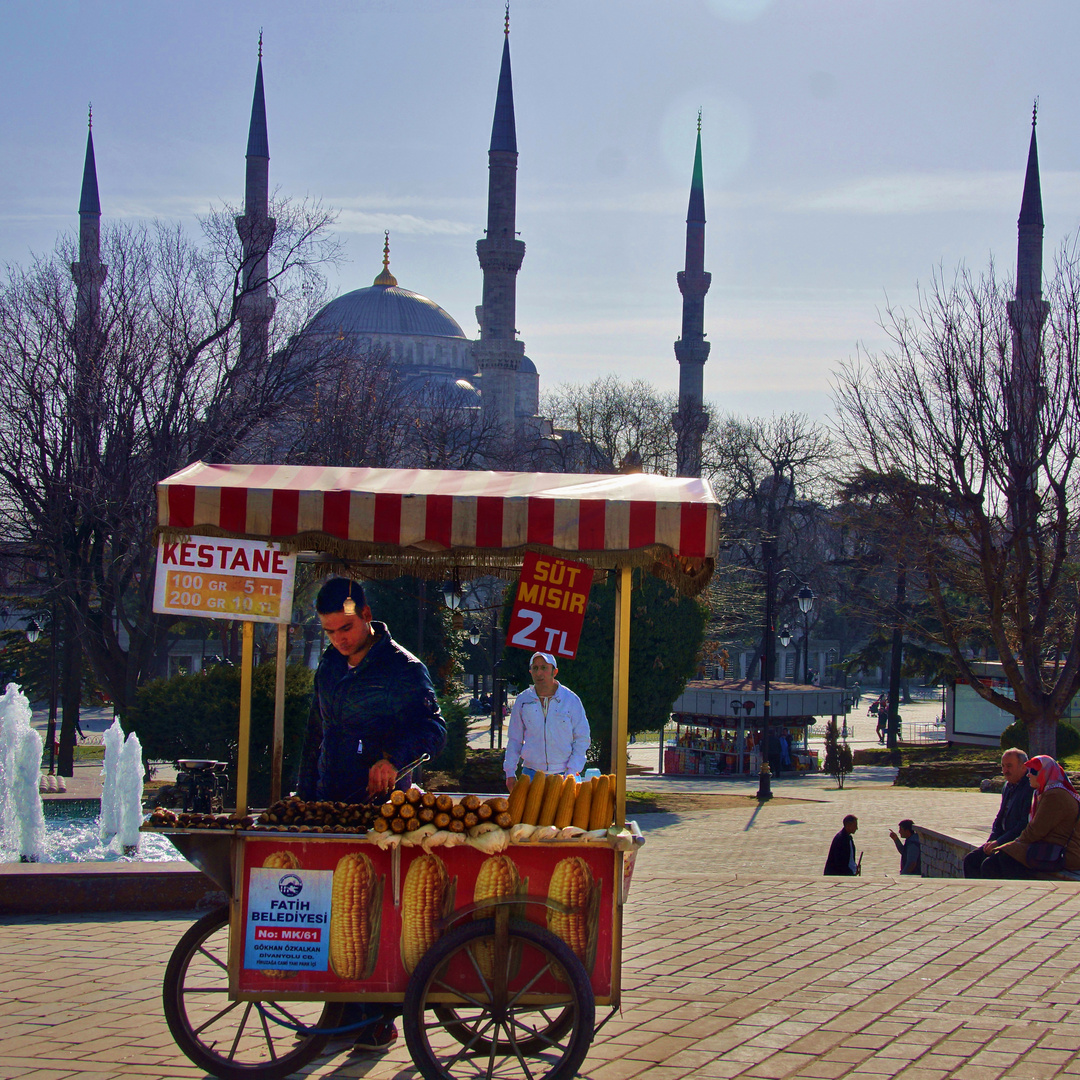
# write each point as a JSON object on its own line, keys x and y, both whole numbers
{"x": 607, "y": 422}
{"x": 770, "y": 475}
{"x": 983, "y": 491}
{"x": 88, "y": 425}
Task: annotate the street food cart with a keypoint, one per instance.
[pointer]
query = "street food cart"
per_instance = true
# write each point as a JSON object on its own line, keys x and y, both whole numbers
{"x": 492, "y": 981}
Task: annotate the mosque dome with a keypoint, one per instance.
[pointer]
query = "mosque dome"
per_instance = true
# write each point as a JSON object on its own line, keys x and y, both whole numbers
{"x": 384, "y": 308}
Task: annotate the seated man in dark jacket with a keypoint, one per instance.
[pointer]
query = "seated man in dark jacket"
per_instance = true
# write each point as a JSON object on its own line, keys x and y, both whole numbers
{"x": 1012, "y": 815}
{"x": 374, "y": 709}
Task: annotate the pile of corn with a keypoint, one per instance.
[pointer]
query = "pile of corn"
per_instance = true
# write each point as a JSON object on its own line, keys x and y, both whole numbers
{"x": 406, "y": 811}
{"x": 561, "y": 801}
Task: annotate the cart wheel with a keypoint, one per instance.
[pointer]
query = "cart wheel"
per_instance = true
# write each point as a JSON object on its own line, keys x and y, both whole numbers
{"x": 234, "y": 1040}
{"x": 491, "y": 1032}
{"x": 550, "y": 1024}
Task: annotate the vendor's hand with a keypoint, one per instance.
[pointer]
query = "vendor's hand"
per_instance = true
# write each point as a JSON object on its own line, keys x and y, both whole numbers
{"x": 989, "y": 847}
{"x": 381, "y": 777}
{"x": 510, "y": 781}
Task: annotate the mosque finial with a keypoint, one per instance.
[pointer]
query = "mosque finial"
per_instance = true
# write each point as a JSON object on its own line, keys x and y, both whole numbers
{"x": 386, "y": 278}
{"x": 699, "y": 120}
{"x": 1035, "y": 111}
{"x": 506, "y": 22}
{"x": 90, "y": 116}
{"x": 260, "y": 43}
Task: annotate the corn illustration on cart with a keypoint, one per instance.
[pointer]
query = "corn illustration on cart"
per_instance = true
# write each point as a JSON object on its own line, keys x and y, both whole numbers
{"x": 497, "y": 956}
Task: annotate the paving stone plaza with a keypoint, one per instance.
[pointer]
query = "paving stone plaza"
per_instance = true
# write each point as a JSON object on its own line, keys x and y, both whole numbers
{"x": 740, "y": 960}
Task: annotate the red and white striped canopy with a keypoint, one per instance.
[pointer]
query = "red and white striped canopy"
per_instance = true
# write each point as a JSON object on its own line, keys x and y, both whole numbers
{"x": 470, "y": 517}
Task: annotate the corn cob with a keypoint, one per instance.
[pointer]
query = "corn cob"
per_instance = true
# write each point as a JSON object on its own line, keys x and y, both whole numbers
{"x": 564, "y": 813}
{"x": 583, "y": 806}
{"x": 572, "y": 886}
{"x": 518, "y": 797}
{"x": 350, "y": 915}
{"x": 422, "y": 898}
{"x": 496, "y": 879}
{"x": 413, "y": 795}
{"x": 499, "y": 804}
{"x": 484, "y": 811}
{"x": 600, "y": 814}
{"x": 428, "y": 799}
{"x": 531, "y": 814}
{"x": 281, "y": 860}
{"x": 471, "y": 802}
{"x": 443, "y": 803}
{"x": 553, "y": 786}
{"x": 397, "y": 796}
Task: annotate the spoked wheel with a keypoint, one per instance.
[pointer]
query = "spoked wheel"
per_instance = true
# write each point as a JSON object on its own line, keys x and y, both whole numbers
{"x": 234, "y": 1040}
{"x": 495, "y": 1028}
{"x": 550, "y": 1024}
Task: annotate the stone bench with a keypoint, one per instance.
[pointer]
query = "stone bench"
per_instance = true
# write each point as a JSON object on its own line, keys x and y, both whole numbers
{"x": 942, "y": 854}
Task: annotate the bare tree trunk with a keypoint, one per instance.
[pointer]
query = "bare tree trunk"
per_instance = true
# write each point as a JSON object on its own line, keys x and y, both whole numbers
{"x": 897, "y": 658}
{"x": 70, "y": 695}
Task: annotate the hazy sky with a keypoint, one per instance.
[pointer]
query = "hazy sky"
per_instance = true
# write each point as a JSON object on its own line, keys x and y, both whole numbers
{"x": 850, "y": 147}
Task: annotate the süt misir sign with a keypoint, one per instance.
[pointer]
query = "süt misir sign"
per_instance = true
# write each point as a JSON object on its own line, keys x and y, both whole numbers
{"x": 549, "y": 607}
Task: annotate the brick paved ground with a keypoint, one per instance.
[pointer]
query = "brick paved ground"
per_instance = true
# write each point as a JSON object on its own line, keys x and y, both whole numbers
{"x": 740, "y": 961}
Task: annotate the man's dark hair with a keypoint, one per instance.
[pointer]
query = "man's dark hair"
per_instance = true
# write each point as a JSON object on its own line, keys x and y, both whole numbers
{"x": 332, "y": 595}
{"x": 849, "y": 817}
{"x": 907, "y": 823}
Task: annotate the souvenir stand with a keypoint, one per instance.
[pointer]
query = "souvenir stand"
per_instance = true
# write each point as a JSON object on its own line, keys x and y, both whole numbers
{"x": 496, "y": 987}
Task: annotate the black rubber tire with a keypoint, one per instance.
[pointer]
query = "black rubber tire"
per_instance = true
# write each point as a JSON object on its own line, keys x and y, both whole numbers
{"x": 227, "y": 1065}
{"x": 576, "y": 1019}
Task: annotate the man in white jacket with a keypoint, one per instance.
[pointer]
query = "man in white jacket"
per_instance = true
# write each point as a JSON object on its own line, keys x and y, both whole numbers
{"x": 549, "y": 731}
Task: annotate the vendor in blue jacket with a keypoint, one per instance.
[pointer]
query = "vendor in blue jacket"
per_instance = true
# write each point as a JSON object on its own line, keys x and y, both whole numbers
{"x": 549, "y": 731}
{"x": 374, "y": 709}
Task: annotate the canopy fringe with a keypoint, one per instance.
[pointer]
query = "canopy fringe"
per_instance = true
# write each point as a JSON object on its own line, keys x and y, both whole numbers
{"x": 688, "y": 575}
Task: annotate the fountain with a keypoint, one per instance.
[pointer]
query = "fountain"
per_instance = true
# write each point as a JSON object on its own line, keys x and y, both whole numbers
{"x": 114, "y": 835}
{"x": 129, "y": 789}
{"x": 22, "y": 817}
{"x": 110, "y": 807}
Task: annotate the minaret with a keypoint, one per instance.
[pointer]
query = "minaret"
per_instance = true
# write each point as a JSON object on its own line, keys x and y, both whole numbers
{"x": 256, "y": 229}
{"x": 88, "y": 273}
{"x": 498, "y": 353}
{"x": 692, "y": 350}
{"x": 1027, "y": 314}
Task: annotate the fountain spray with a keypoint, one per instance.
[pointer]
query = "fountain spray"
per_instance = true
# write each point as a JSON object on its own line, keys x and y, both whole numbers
{"x": 22, "y": 822}
{"x": 110, "y": 806}
{"x": 129, "y": 790}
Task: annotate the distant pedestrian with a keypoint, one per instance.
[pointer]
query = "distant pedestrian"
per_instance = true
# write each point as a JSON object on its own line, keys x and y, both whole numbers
{"x": 909, "y": 849}
{"x": 856, "y": 695}
{"x": 841, "y": 861}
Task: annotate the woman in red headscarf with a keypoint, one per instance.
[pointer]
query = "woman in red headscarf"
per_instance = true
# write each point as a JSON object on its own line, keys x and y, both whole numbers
{"x": 1054, "y": 819}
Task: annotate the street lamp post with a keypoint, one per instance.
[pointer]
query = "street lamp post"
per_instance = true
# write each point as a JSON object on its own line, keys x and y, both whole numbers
{"x": 806, "y": 602}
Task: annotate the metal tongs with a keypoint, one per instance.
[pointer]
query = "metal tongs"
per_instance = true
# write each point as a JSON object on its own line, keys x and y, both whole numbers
{"x": 412, "y": 765}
